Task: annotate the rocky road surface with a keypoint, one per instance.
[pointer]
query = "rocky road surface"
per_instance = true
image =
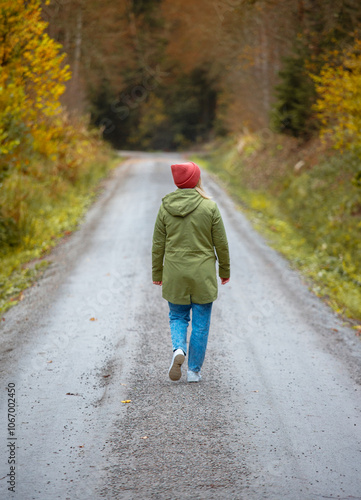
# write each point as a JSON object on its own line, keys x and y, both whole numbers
{"x": 276, "y": 416}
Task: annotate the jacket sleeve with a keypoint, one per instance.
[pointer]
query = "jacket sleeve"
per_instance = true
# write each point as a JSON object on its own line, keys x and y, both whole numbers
{"x": 158, "y": 247}
{"x": 221, "y": 244}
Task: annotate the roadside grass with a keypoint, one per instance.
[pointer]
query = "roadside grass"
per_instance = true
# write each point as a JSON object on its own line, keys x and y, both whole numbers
{"x": 44, "y": 209}
{"x": 307, "y": 206}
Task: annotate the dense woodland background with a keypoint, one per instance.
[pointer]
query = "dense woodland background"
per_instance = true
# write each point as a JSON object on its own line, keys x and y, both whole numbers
{"x": 166, "y": 73}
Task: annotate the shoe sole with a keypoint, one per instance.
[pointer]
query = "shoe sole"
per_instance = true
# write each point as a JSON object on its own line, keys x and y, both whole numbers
{"x": 175, "y": 371}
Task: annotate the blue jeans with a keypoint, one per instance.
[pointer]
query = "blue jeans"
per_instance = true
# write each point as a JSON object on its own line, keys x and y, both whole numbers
{"x": 179, "y": 317}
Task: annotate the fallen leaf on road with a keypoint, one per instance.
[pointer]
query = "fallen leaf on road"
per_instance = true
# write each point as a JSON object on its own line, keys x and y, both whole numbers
{"x": 18, "y": 297}
{"x": 144, "y": 437}
{"x": 93, "y": 319}
{"x": 106, "y": 376}
{"x": 127, "y": 401}
{"x": 49, "y": 361}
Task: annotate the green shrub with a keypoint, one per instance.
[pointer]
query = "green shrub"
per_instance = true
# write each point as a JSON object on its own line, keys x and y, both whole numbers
{"x": 313, "y": 217}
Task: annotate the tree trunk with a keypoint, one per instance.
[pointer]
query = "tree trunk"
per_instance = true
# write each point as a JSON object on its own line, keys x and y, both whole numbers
{"x": 265, "y": 65}
{"x": 78, "y": 42}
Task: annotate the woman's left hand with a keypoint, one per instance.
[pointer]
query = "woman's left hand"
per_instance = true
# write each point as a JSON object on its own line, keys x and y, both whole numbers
{"x": 224, "y": 280}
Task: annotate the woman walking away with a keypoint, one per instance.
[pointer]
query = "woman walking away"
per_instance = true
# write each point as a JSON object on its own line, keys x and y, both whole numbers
{"x": 187, "y": 233}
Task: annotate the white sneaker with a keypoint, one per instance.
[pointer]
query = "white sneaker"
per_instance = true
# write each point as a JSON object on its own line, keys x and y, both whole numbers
{"x": 175, "y": 370}
{"x": 193, "y": 376}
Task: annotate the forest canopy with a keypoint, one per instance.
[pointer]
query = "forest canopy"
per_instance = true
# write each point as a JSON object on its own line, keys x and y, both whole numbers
{"x": 167, "y": 73}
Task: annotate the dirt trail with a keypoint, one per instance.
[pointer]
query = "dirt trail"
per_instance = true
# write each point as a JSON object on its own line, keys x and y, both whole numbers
{"x": 276, "y": 416}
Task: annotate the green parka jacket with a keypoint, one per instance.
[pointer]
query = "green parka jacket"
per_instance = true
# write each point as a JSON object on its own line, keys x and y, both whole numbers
{"x": 187, "y": 233}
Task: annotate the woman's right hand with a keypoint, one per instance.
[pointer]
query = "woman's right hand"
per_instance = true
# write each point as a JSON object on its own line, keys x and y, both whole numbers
{"x": 160, "y": 283}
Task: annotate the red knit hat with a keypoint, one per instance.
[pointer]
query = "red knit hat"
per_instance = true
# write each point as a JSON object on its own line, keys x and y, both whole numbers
{"x": 186, "y": 175}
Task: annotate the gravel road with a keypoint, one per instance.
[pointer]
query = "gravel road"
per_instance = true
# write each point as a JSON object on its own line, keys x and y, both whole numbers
{"x": 276, "y": 416}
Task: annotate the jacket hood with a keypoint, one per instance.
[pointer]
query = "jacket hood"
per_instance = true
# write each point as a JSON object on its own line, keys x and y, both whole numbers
{"x": 182, "y": 202}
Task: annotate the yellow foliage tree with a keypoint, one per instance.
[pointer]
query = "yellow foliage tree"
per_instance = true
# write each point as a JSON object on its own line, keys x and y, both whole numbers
{"x": 32, "y": 77}
{"x": 339, "y": 97}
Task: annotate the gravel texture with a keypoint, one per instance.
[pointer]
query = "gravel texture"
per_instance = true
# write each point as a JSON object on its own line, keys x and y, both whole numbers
{"x": 276, "y": 416}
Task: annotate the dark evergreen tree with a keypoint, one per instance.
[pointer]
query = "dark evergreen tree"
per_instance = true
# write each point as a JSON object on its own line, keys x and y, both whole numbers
{"x": 295, "y": 94}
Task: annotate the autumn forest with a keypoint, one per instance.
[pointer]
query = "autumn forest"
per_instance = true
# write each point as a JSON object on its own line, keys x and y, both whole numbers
{"x": 270, "y": 90}
{"x": 163, "y": 74}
